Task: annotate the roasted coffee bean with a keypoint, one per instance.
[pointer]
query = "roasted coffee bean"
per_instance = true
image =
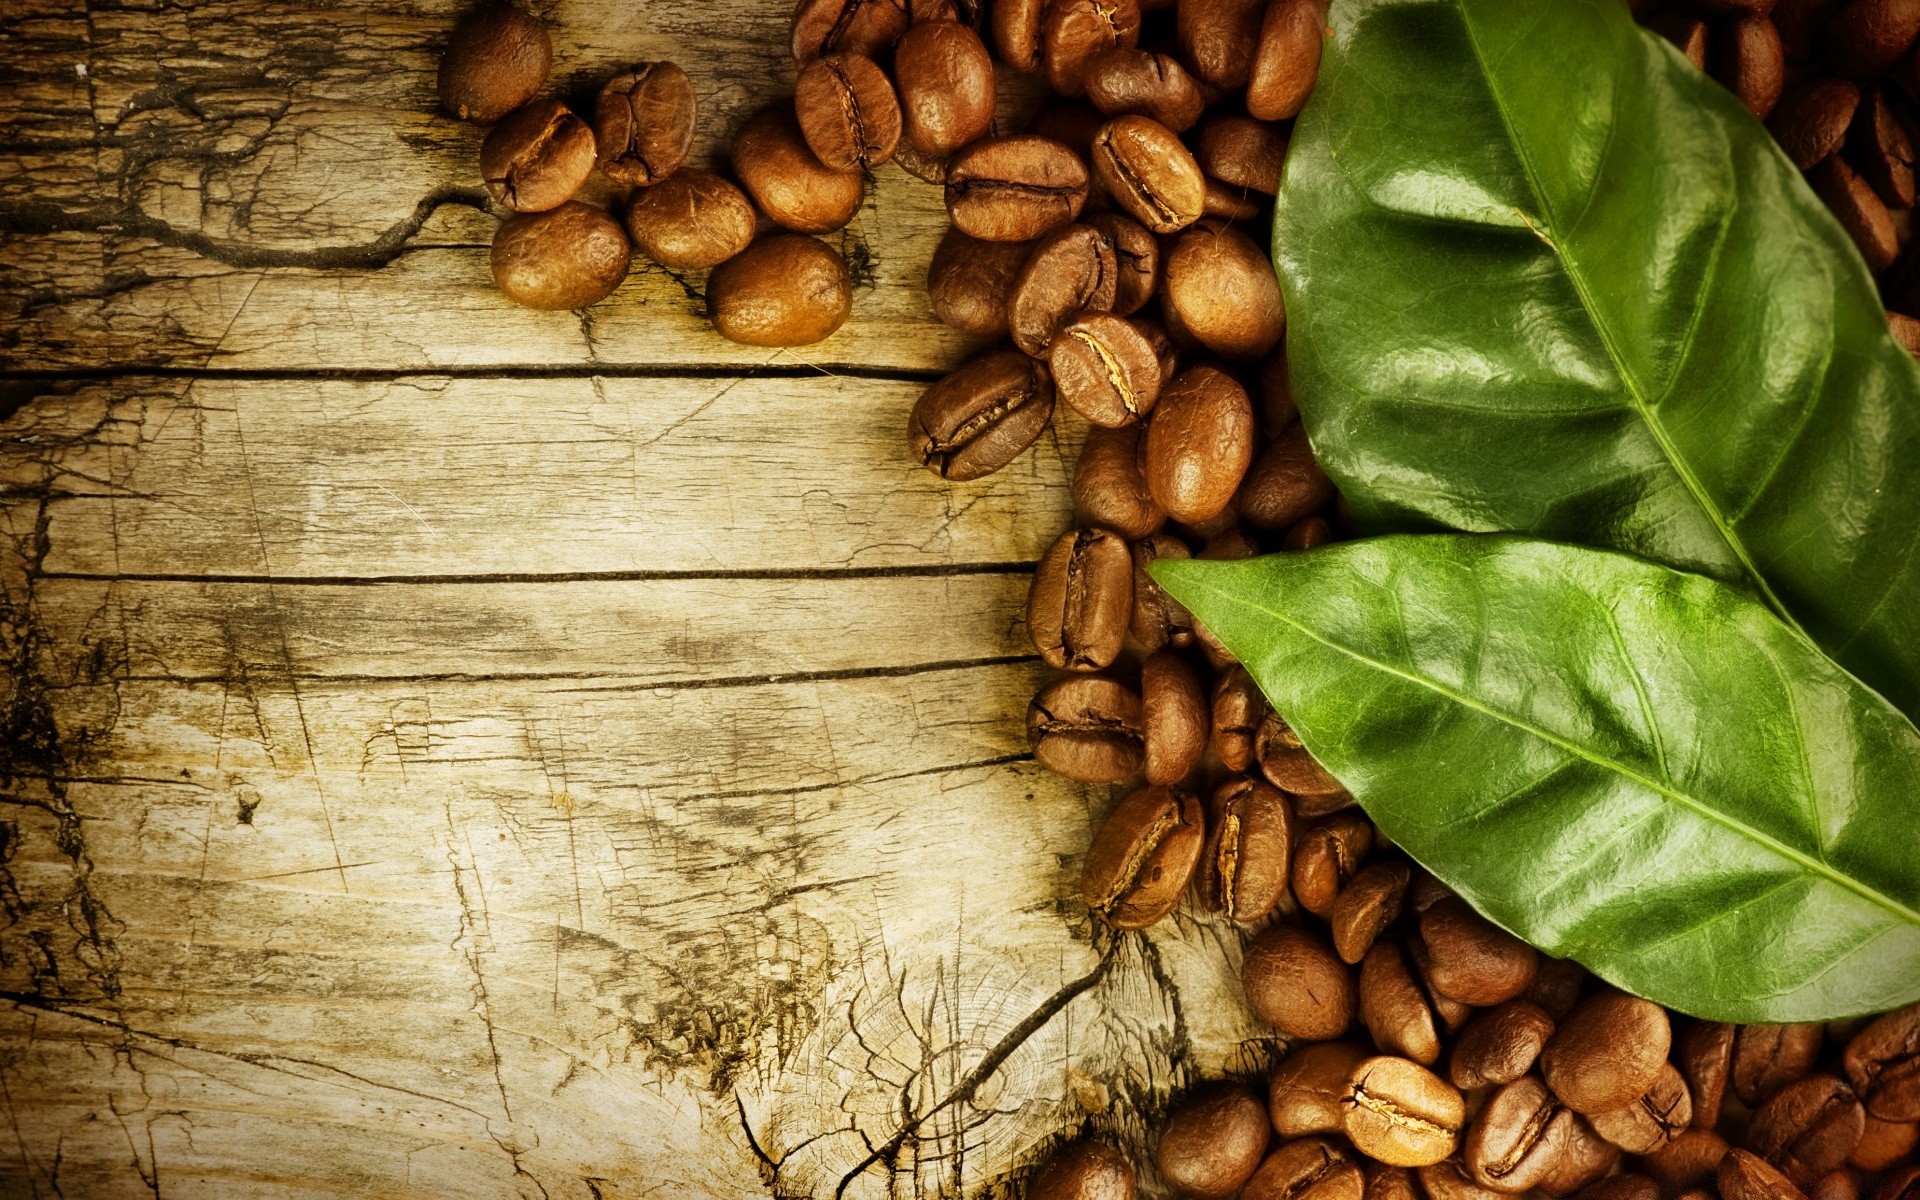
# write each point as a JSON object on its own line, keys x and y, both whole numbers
{"x": 567, "y": 257}
{"x": 1704, "y": 1053}
{"x": 1692, "y": 1156}
{"x": 1880, "y": 148}
{"x": 1307, "y": 1089}
{"x": 1367, "y": 906}
{"x": 1071, "y": 272}
{"x": 785, "y": 290}
{"x": 1158, "y": 619}
{"x": 1012, "y": 189}
{"x": 1147, "y": 84}
{"x": 1425, "y": 891}
{"x": 927, "y": 168}
{"x": 1750, "y": 61}
{"x": 495, "y": 62}
{"x": 1307, "y": 534}
{"x": 1519, "y": 1138}
{"x": 1859, "y": 211}
{"x": 1218, "y": 38}
{"x": 1390, "y": 1183}
{"x": 1074, "y": 32}
{"x": 1286, "y": 60}
{"x": 1449, "y": 1181}
{"x": 1287, "y": 763}
{"x": 1199, "y": 443}
{"x": 1689, "y": 33}
{"x": 1883, "y": 1062}
{"x": 1143, "y": 857}
{"x": 1884, "y": 1143}
{"x": 1811, "y": 120}
{"x": 1474, "y": 961}
{"x": 537, "y": 158}
{"x": 981, "y": 417}
{"x": 1087, "y": 727}
{"x": 1285, "y": 483}
{"x": 1229, "y": 545}
{"x": 643, "y": 123}
{"x": 1608, "y": 1051}
{"x": 1015, "y": 25}
{"x": 1557, "y": 985}
{"x": 1835, "y": 1185}
{"x": 1222, "y": 289}
{"x": 1903, "y": 1184}
{"x": 1136, "y": 254}
{"x": 795, "y": 189}
{"x": 1451, "y": 1012}
{"x": 1588, "y": 1157}
{"x": 1243, "y": 872}
{"x": 1228, "y": 203}
{"x": 1310, "y": 1169}
{"x": 692, "y": 220}
{"x": 1651, "y": 1121}
{"x": 1808, "y": 1128}
{"x": 1211, "y": 648}
{"x": 1108, "y": 489}
{"x": 1243, "y": 152}
{"x": 1624, "y": 1186}
{"x": 1865, "y": 37}
{"x": 970, "y": 282}
{"x": 1213, "y": 1142}
{"x": 1744, "y": 1176}
{"x": 1081, "y": 597}
{"x": 1296, "y": 983}
{"x": 847, "y": 111}
{"x": 1149, "y": 172}
{"x": 1238, "y": 708}
{"x": 1402, "y": 1114}
{"x": 1394, "y": 1007}
{"x": 1105, "y": 369}
{"x": 1499, "y": 1045}
{"x": 1326, "y": 857}
{"x": 946, "y": 85}
{"x": 869, "y": 27}
{"x": 1084, "y": 1170}
{"x": 1767, "y": 1058}
{"x": 1173, "y": 705}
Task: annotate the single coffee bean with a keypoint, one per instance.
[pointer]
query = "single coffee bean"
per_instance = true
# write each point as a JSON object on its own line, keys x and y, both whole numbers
{"x": 1307, "y": 534}
{"x": 1136, "y": 255}
{"x": 1903, "y": 1184}
{"x": 946, "y": 86}
{"x": 567, "y": 257}
{"x": 1074, "y": 32}
{"x": 1218, "y": 38}
{"x": 1084, "y": 1170}
{"x": 1105, "y": 369}
{"x": 1229, "y": 545}
{"x": 1081, "y": 597}
{"x": 1811, "y": 120}
{"x": 1688, "y": 33}
{"x": 1842, "y": 1184}
{"x": 927, "y": 168}
{"x": 1473, "y": 960}
{"x": 1288, "y": 764}
{"x": 1884, "y": 1143}
{"x": 1222, "y": 288}
{"x": 1015, "y": 25}
{"x": 1651, "y": 1121}
{"x": 1367, "y": 906}
{"x": 643, "y": 123}
{"x": 1071, "y": 271}
{"x": 1237, "y": 709}
{"x": 1199, "y": 443}
{"x": 537, "y": 158}
{"x": 981, "y": 417}
{"x": 1143, "y": 857}
{"x": 1296, "y": 983}
{"x": 1173, "y": 706}
{"x": 1690, "y": 1158}
{"x": 1879, "y": 146}
{"x": 1449, "y": 1180}
{"x": 1014, "y": 189}
{"x": 1624, "y": 1186}
{"x": 1310, "y": 1169}
{"x": 1744, "y": 1176}
{"x": 1394, "y": 1006}
{"x": 1520, "y": 1136}
{"x": 1608, "y": 1051}
{"x": 1704, "y": 1053}
{"x": 1226, "y": 202}
{"x": 970, "y": 281}
{"x": 1087, "y": 727}
{"x": 784, "y": 290}
{"x": 1243, "y": 152}
{"x": 1425, "y": 891}
{"x": 1150, "y": 85}
{"x": 1326, "y": 857}
{"x": 692, "y": 220}
{"x": 1285, "y": 484}
{"x": 1749, "y": 59}
{"x": 1499, "y": 1045}
{"x": 1451, "y": 1012}
{"x": 869, "y": 27}
{"x": 1149, "y": 172}
{"x": 495, "y": 62}
{"x": 1213, "y": 1142}
{"x": 795, "y": 189}
{"x": 1243, "y": 871}
{"x": 1390, "y": 1183}
{"x": 1286, "y": 59}
{"x": 1808, "y": 1128}
{"x": 1866, "y": 37}
{"x": 1860, "y": 212}
{"x": 1402, "y": 1114}
{"x": 1767, "y": 1058}
{"x": 1158, "y": 619}
{"x": 1305, "y": 1094}
{"x": 1557, "y": 986}
{"x": 1108, "y": 489}
{"x": 1588, "y": 1157}
{"x": 847, "y": 111}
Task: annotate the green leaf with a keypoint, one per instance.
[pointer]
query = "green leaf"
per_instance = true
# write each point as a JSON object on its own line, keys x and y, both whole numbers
{"x": 1544, "y": 276}
{"x": 1635, "y": 767}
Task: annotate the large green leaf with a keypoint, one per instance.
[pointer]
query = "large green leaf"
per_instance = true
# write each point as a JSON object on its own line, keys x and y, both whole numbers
{"x": 1639, "y": 768}
{"x": 1544, "y": 276}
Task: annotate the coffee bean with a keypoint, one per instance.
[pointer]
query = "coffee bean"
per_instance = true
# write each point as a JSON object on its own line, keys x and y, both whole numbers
{"x": 1015, "y": 25}
{"x": 1074, "y": 32}
{"x": 1143, "y": 857}
{"x": 1394, "y": 1007}
{"x": 1884, "y": 1143}
{"x": 1105, "y": 369}
{"x": 1879, "y": 146}
{"x": 981, "y": 417}
{"x": 1213, "y": 1142}
{"x": 1520, "y": 1136}
{"x": 1305, "y": 1094}
{"x": 537, "y": 158}
{"x": 1499, "y": 1045}
{"x": 1651, "y": 1121}
{"x": 1402, "y": 1114}
{"x": 495, "y": 62}
{"x": 1327, "y": 856}
{"x": 1859, "y": 211}
{"x": 1158, "y": 619}
{"x": 1149, "y": 172}
{"x": 1243, "y": 152}
{"x": 1108, "y": 489}
{"x": 1811, "y": 120}
{"x": 1286, "y": 60}
{"x": 1307, "y": 534}
{"x": 946, "y": 85}
{"x": 1883, "y": 1062}
{"x": 1013, "y": 189}
{"x": 1229, "y": 545}
{"x": 784, "y": 290}
{"x": 1083, "y": 1170}
{"x": 1289, "y": 765}
{"x": 1588, "y": 1157}
{"x": 1136, "y": 256}
{"x": 1199, "y": 443}
{"x": 1452, "y": 1013}
{"x": 1744, "y": 1176}
{"x": 1071, "y": 271}
{"x": 869, "y": 27}
{"x": 1557, "y": 986}
{"x": 1449, "y": 1180}
{"x": 847, "y": 111}
{"x": 795, "y": 189}
{"x": 1686, "y": 32}
{"x": 1903, "y": 1184}
{"x": 692, "y": 220}
{"x": 567, "y": 257}
{"x": 1218, "y": 38}
{"x": 1608, "y": 1051}
{"x": 1808, "y": 1128}
{"x": 1087, "y": 727}
{"x": 1285, "y": 483}
{"x": 970, "y": 281}
{"x": 1842, "y": 1184}
{"x": 643, "y": 123}
{"x": 1224, "y": 290}
{"x": 1865, "y": 37}
{"x": 1081, "y": 597}
{"x": 1147, "y": 84}
{"x": 1311, "y": 1169}
{"x": 927, "y": 168}
{"x": 1624, "y": 1186}
{"x": 1367, "y": 906}
{"x": 1692, "y": 1156}
{"x": 1473, "y": 960}
{"x": 1226, "y": 202}
{"x": 1767, "y": 1058}
{"x": 1296, "y": 983}
{"x": 1390, "y": 1183}
{"x": 1174, "y": 712}
{"x": 1243, "y": 871}
{"x": 1237, "y": 709}
{"x": 1704, "y": 1053}
{"x": 1749, "y": 59}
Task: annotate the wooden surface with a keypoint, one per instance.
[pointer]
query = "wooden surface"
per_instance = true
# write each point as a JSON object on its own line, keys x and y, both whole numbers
{"x": 457, "y": 751}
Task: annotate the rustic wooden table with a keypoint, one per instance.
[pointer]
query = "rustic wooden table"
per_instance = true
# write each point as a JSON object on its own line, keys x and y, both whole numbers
{"x": 458, "y": 751}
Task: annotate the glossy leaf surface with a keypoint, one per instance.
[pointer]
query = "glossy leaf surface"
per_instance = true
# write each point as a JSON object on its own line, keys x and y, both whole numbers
{"x": 1632, "y": 766}
{"x": 1544, "y": 276}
